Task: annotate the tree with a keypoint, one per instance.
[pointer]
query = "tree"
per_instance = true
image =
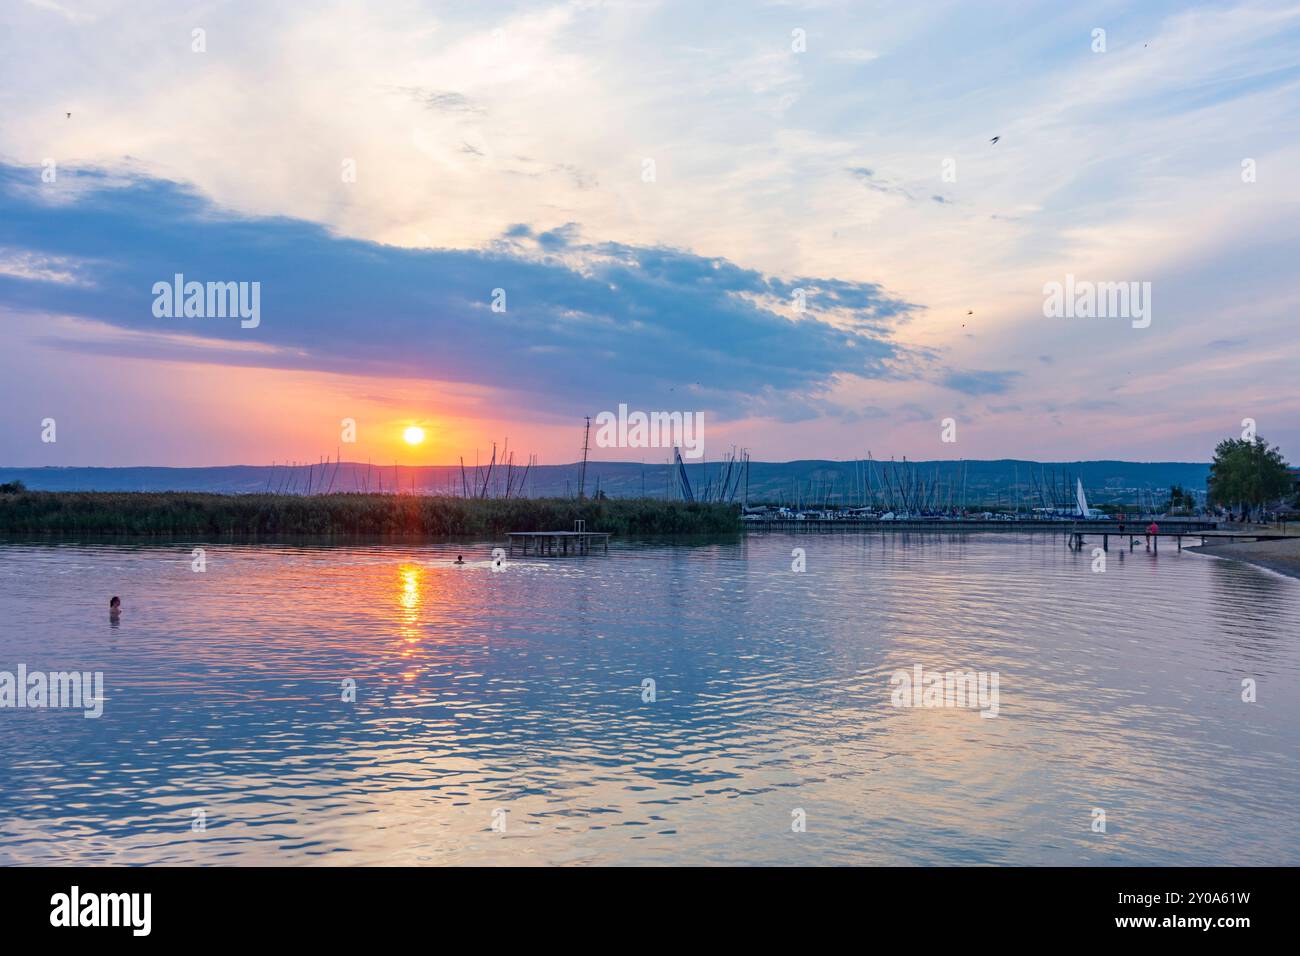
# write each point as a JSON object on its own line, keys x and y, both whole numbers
{"x": 12, "y": 488}
{"x": 1248, "y": 474}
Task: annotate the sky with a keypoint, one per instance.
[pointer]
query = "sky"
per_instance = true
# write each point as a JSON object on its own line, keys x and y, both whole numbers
{"x": 492, "y": 220}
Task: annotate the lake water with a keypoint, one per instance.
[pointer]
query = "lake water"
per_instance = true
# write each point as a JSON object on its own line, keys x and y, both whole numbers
{"x": 516, "y": 698}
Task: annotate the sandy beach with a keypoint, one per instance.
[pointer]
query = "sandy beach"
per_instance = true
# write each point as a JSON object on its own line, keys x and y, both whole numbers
{"x": 1281, "y": 556}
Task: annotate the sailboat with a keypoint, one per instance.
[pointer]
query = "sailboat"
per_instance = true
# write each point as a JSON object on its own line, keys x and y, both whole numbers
{"x": 1084, "y": 511}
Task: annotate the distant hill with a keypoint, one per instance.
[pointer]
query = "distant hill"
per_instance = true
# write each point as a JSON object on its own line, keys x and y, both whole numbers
{"x": 1005, "y": 481}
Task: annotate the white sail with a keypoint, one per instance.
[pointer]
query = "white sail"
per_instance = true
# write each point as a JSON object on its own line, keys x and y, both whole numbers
{"x": 1083, "y": 502}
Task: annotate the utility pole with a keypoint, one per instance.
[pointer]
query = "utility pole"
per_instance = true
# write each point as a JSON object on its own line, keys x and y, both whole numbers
{"x": 586, "y": 434}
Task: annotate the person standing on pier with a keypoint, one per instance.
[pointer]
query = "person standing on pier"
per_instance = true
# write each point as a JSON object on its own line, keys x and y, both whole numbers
{"x": 1152, "y": 528}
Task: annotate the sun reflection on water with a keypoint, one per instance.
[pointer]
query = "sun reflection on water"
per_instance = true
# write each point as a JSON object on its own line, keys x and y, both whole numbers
{"x": 410, "y": 580}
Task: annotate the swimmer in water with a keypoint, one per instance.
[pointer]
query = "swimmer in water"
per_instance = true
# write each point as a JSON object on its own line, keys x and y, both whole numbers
{"x": 114, "y": 607}
{"x": 459, "y": 559}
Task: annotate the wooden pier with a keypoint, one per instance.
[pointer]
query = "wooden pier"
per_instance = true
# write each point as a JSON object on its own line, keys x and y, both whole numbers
{"x": 1188, "y": 528}
{"x": 558, "y": 542}
{"x": 1076, "y": 537}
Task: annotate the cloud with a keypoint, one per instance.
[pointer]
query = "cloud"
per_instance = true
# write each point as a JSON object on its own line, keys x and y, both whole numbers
{"x": 72, "y": 16}
{"x": 869, "y": 178}
{"x": 26, "y": 265}
{"x": 456, "y": 118}
{"x": 559, "y": 238}
{"x": 854, "y": 56}
{"x": 979, "y": 382}
{"x": 440, "y": 101}
{"x": 585, "y": 324}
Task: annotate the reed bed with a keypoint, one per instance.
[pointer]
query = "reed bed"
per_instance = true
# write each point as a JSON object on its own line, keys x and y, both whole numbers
{"x": 206, "y": 515}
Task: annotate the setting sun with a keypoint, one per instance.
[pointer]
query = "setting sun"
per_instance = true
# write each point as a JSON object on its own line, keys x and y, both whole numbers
{"x": 414, "y": 435}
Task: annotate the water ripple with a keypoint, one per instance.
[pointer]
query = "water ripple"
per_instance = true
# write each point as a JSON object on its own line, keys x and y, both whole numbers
{"x": 484, "y": 697}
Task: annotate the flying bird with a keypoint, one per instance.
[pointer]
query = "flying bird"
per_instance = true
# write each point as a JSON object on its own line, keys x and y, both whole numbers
{"x": 995, "y": 139}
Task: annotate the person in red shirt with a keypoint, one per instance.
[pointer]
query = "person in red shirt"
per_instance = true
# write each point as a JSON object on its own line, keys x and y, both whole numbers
{"x": 1152, "y": 528}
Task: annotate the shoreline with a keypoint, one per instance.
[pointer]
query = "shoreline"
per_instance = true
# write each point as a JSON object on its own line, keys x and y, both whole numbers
{"x": 1282, "y": 557}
